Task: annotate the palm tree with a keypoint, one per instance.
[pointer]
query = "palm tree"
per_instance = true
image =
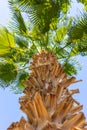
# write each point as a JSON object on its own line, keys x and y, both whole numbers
{"x": 39, "y": 25}
{"x": 48, "y": 103}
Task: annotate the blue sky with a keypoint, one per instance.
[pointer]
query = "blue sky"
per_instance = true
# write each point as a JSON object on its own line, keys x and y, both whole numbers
{"x": 9, "y": 104}
{"x": 4, "y": 12}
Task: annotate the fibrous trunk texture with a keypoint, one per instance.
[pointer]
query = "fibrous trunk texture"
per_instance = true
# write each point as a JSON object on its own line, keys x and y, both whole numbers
{"x": 48, "y": 103}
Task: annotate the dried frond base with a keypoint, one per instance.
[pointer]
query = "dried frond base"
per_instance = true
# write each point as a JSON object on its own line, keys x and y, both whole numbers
{"x": 48, "y": 103}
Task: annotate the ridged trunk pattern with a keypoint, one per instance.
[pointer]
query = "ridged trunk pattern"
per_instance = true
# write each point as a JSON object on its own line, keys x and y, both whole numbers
{"x": 48, "y": 103}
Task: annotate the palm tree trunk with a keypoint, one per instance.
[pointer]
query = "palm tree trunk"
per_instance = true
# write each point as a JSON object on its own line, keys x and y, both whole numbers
{"x": 48, "y": 103}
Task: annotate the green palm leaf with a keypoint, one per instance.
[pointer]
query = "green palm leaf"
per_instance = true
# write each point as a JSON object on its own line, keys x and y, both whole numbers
{"x": 21, "y": 41}
{"x": 41, "y": 13}
{"x": 6, "y": 41}
{"x": 8, "y": 71}
{"x": 79, "y": 28}
{"x": 69, "y": 69}
{"x": 17, "y": 23}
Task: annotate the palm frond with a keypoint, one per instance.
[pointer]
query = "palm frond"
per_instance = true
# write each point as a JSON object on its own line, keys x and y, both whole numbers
{"x": 42, "y": 13}
{"x": 7, "y": 71}
{"x": 79, "y": 28}
{"x": 82, "y": 46}
{"x": 21, "y": 41}
{"x": 17, "y": 23}
{"x": 69, "y": 69}
{"x": 7, "y": 41}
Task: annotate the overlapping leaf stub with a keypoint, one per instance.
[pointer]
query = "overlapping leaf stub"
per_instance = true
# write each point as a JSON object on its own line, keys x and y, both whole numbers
{"x": 48, "y": 103}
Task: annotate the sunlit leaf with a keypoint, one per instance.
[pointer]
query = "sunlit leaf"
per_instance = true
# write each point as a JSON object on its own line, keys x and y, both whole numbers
{"x": 62, "y": 31}
{"x": 75, "y": 50}
{"x": 6, "y": 41}
{"x": 65, "y": 6}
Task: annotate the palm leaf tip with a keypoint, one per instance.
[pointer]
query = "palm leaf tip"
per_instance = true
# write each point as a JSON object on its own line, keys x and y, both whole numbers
{"x": 18, "y": 22}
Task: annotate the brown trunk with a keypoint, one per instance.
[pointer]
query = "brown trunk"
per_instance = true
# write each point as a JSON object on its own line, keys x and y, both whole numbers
{"x": 48, "y": 103}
